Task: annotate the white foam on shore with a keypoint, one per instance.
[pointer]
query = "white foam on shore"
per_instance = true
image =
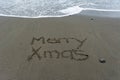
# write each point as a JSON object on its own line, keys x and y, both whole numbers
{"x": 30, "y": 16}
{"x": 77, "y": 9}
{"x": 66, "y": 12}
{"x": 72, "y": 10}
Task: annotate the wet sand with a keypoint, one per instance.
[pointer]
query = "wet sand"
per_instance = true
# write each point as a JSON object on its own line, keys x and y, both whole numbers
{"x": 58, "y": 56}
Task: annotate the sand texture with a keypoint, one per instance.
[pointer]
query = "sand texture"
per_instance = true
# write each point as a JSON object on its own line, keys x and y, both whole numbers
{"x": 66, "y": 48}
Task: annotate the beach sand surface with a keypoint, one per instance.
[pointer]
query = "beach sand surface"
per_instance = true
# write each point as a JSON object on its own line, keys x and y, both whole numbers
{"x": 66, "y": 48}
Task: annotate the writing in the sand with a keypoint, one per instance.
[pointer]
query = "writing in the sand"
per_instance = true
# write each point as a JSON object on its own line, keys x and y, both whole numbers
{"x": 45, "y": 51}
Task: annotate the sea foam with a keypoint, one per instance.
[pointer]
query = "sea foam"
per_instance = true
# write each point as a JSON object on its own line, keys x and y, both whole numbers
{"x": 55, "y": 8}
{"x": 72, "y": 10}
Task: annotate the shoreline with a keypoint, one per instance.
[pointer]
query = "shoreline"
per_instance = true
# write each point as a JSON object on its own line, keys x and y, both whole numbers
{"x": 84, "y": 12}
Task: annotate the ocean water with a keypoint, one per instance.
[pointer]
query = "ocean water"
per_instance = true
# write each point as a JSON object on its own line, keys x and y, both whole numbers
{"x": 54, "y": 8}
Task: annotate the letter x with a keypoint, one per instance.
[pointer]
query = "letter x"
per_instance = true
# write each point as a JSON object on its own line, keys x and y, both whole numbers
{"x": 35, "y": 52}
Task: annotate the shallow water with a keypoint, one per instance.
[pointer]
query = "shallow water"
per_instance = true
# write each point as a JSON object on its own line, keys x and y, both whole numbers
{"x": 54, "y": 8}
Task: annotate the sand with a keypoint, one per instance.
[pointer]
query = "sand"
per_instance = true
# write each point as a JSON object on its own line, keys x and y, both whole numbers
{"x": 67, "y": 48}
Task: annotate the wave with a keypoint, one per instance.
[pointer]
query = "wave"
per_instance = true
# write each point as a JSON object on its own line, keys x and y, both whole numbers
{"x": 77, "y": 9}
{"x": 67, "y": 12}
{"x": 54, "y": 8}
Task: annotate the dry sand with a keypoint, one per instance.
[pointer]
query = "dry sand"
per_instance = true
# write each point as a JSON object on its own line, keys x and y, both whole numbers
{"x": 102, "y": 41}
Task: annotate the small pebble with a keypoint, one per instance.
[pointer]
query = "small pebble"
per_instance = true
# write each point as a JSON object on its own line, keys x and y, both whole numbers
{"x": 102, "y": 60}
